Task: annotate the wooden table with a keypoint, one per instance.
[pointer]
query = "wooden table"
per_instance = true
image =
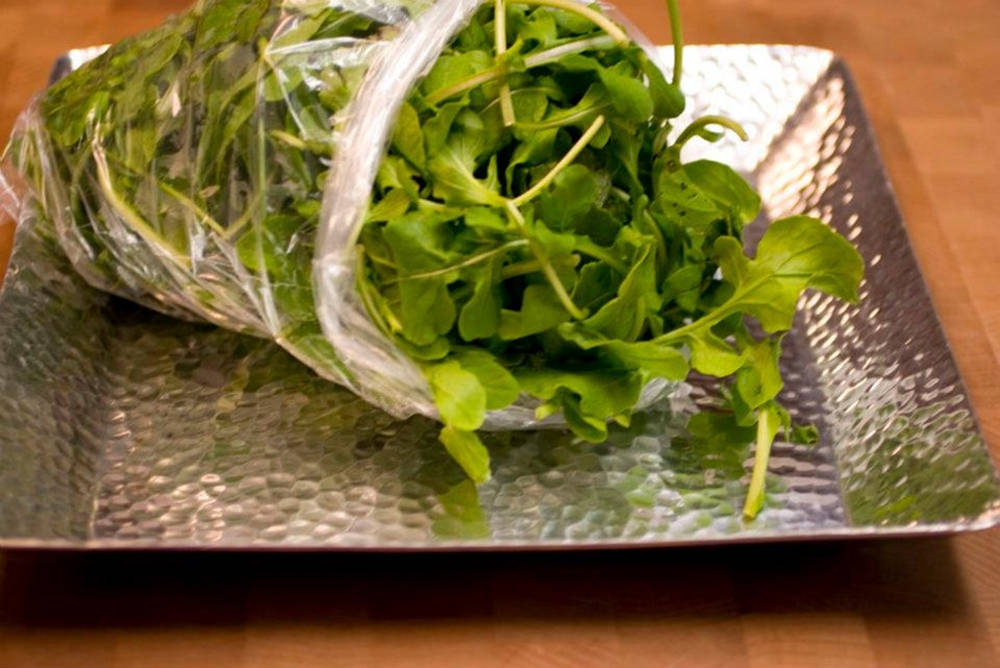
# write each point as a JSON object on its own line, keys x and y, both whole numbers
{"x": 929, "y": 72}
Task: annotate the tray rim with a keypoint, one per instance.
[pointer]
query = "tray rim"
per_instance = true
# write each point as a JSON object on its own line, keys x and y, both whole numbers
{"x": 937, "y": 529}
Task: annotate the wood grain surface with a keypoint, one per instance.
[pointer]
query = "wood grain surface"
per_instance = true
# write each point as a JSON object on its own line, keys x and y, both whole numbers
{"x": 929, "y": 73}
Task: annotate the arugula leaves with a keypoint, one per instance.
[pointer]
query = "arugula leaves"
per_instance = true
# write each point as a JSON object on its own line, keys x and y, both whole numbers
{"x": 533, "y": 232}
{"x": 584, "y": 258}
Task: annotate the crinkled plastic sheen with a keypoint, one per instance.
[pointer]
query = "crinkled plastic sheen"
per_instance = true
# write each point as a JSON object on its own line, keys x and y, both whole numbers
{"x": 162, "y": 249}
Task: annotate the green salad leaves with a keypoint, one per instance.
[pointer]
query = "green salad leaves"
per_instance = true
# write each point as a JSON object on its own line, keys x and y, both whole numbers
{"x": 547, "y": 241}
{"x": 533, "y": 234}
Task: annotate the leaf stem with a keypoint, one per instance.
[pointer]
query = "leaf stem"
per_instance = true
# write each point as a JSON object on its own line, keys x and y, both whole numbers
{"x": 708, "y": 320}
{"x": 595, "y": 17}
{"x": 532, "y": 266}
{"x": 168, "y": 190}
{"x": 661, "y": 243}
{"x": 677, "y": 37}
{"x": 563, "y": 121}
{"x": 545, "y": 264}
{"x": 472, "y": 260}
{"x": 129, "y": 215}
{"x": 500, "y": 28}
{"x": 533, "y": 60}
{"x": 692, "y": 129}
{"x": 588, "y": 247}
{"x": 365, "y": 292}
{"x": 192, "y": 206}
{"x": 597, "y": 43}
{"x": 469, "y": 83}
{"x": 570, "y": 156}
{"x": 765, "y": 437}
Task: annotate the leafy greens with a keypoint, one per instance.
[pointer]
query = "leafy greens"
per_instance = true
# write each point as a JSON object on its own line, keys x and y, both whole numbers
{"x": 548, "y": 225}
{"x": 532, "y": 232}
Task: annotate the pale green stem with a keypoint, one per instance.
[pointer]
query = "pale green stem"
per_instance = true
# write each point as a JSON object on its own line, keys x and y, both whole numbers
{"x": 500, "y": 28}
{"x": 533, "y": 266}
{"x": 534, "y": 60}
{"x": 193, "y": 207}
{"x": 699, "y": 123}
{"x": 485, "y": 76}
{"x": 595, "y": 17}
{"x": 621, "y": 194}
{"x": 290, "y": 139}
{"x": 546, "y": 265}
{"x": 168, "y": 190}
{"x": 516, "y": 93}
{"x": 755, "y": 493}
{"x": 678, "y": 40}
{"x": 570, "y": 156}
{"x": 563, "y": 121}
{"x": 661, "y": 243}
{"x": 364, "y": 292}
{"x": 473, "y": 260}
{"x": 596, "y": 43}
{"x": 588, "y": 247}
{"x": 711, "y": 319}
{"x": 129, "y": 215}
{"x": 241, "y": 222}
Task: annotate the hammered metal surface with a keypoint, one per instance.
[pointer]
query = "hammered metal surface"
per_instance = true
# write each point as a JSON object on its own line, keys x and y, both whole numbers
{"x": 123, "y": 428}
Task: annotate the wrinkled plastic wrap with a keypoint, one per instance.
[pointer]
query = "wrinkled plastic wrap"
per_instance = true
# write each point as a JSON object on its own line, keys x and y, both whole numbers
{"x": 231, "y": 183}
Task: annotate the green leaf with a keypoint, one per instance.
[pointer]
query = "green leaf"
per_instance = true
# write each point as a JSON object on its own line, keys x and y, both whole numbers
{"x": 684, "y": 285}
{"x": 501, "y": 387}
{"x": 759, "y": 381}
{"x": 713, "y": 356}
{"x": 594, "y": 102}
{"x": 668, "y": 101}
{"x": 572, "y": 194}
{"x": 530, "y": 104}
{"x": 725, "y": 187}
{"x": 539, "y": 27}
{"x": 597, "y": 285}
{"x": 485, "y": 218}
{"x": 571, "y": 22}
{"x": 625, "y": 316}
{"x": 394, "y": 205}
{"x": 803, "y": 434}
{"x": 437, "y": 128}
{"x": 603, "y": 393}
{"x": 394, "y": 172}
{"x": 681, "y": 202}
{"x": 536, "y": 149}
{"x": 802, "y": 247}
{"x": 408, "y": 138}
{"x": 480, "y": 316}
{"x": 454, "y": 183}
{"x": 540, "y": 310}
{"x": 794, "y": 254}
{"x": 585, "y": 426}
{"x": 628, "y": 96}
{"x": 427, "y": 310}
{"x": 419, "y": 241}
{"x": 468, "y": 451}
{"x": 452, "y": 68}
{"x": 458, "y": 395}
{"x": 655, "y": 360}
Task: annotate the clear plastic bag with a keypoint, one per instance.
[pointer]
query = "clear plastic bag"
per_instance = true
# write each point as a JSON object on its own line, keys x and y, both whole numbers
{"x": 219, "y": 167}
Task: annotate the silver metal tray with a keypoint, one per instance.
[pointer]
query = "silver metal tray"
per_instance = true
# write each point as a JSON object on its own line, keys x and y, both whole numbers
{"x": 120, "y": 428}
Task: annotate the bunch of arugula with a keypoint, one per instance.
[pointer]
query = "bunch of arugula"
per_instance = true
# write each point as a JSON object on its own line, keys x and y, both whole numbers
{"x": 184, "y": 167}
{"x": 533, "y": 231}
